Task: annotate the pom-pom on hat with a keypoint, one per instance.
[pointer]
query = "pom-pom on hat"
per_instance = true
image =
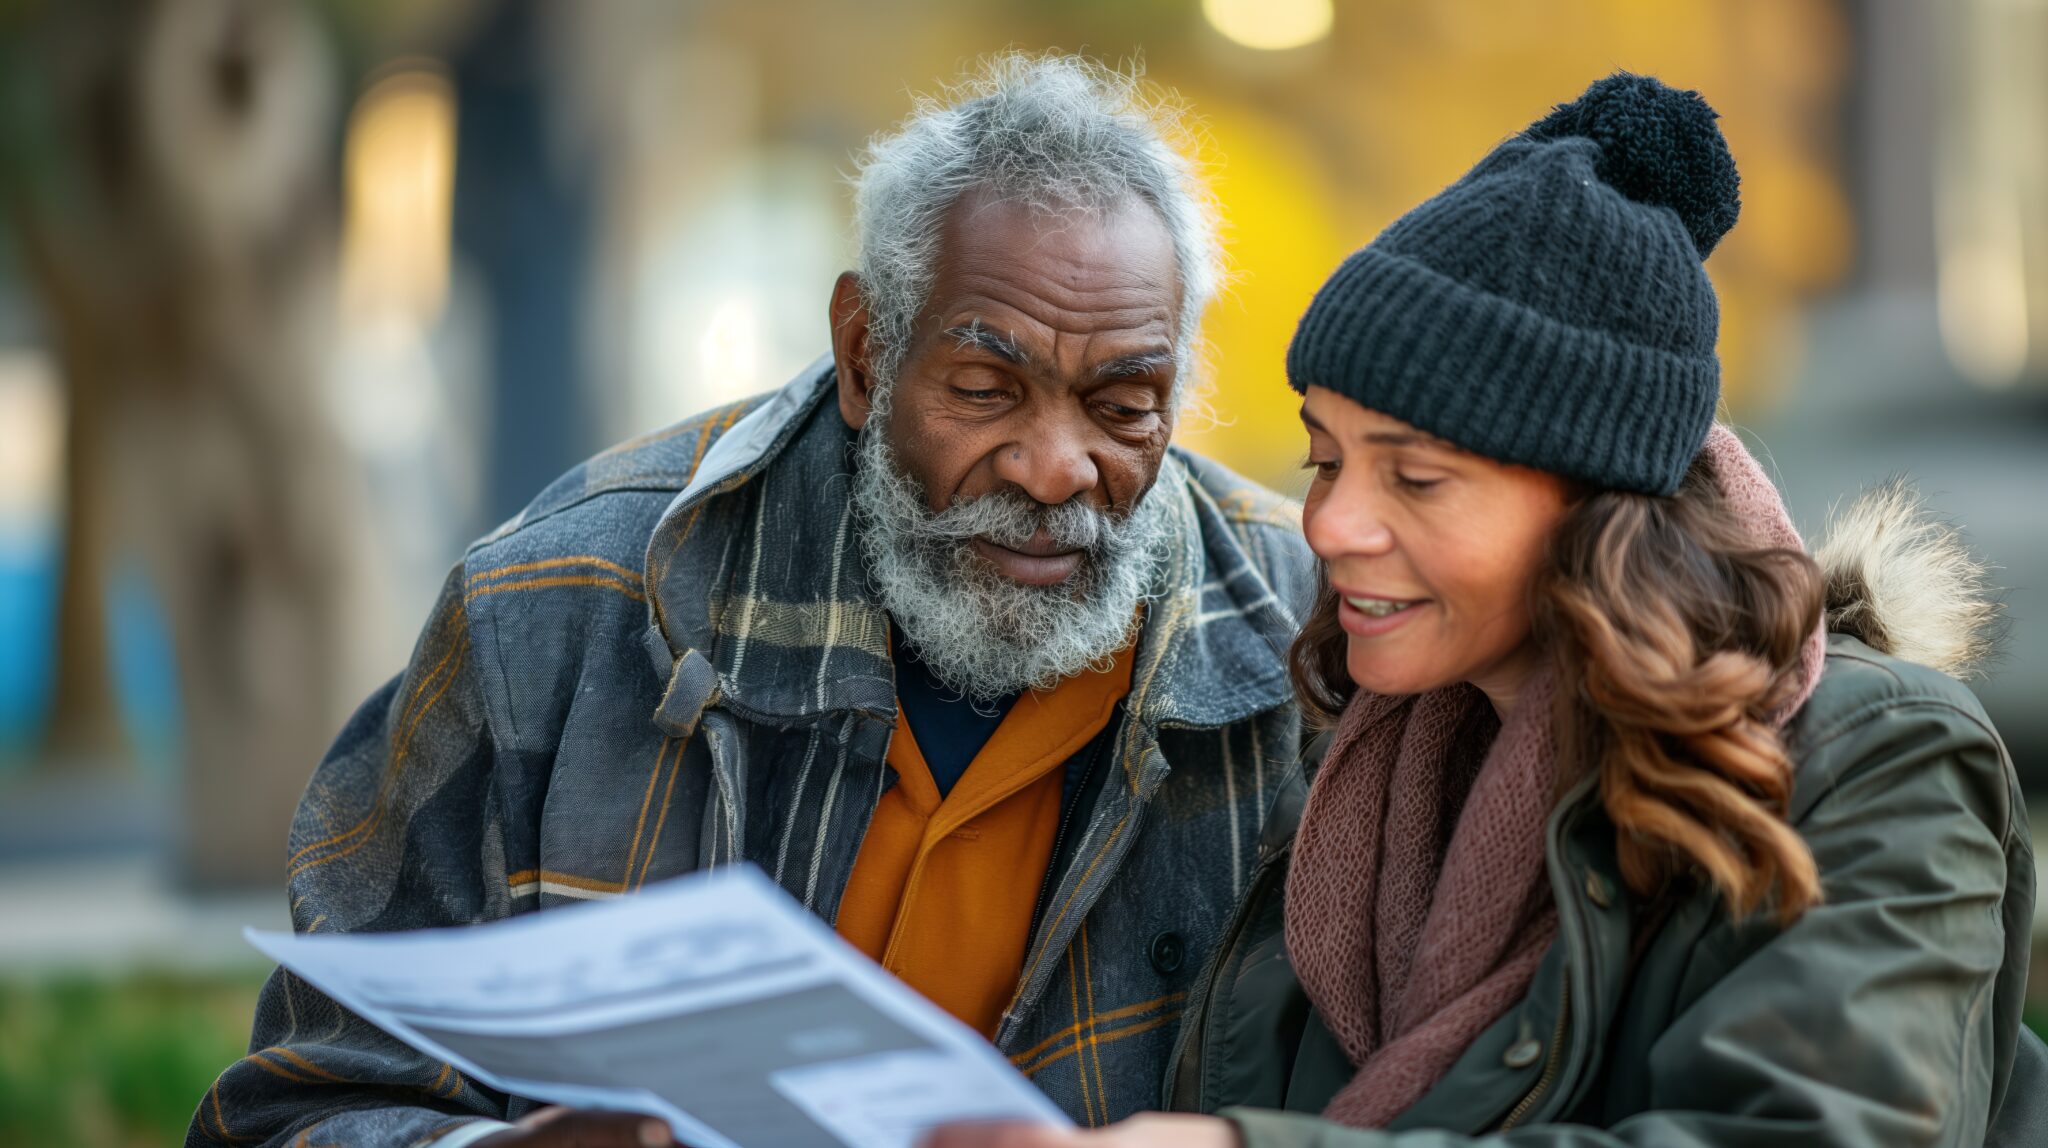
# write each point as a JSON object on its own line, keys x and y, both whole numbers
{"x": 1550, "y": 307}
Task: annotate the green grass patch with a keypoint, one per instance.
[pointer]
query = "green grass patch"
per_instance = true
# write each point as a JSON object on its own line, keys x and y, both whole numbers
{"x": 115, "y": 1061}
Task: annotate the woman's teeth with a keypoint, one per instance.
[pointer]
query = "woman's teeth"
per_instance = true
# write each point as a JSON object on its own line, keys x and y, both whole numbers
{"x": 1378, "y": 607}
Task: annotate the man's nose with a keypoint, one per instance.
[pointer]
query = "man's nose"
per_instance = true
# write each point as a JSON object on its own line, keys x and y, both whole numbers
{"x": 1051, "y": 464}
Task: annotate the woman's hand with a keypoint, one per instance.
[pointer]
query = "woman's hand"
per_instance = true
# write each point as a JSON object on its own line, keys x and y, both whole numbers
{"x": 1150, "y": 1130}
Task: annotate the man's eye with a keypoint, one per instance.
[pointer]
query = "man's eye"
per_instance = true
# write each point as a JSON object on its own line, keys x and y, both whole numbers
{"x": 1325, "y": 468}
{"x": 978, "y": 396}
{"x": 1415, "y": 483}
{"x": 1129, "y": 414}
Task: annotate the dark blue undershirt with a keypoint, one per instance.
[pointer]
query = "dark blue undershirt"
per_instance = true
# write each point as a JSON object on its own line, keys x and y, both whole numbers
{"x": 950, "y": 729}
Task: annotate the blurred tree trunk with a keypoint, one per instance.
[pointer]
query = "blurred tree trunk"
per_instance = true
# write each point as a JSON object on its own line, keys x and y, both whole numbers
{"x": 183, "y": 250}
{"x": 85, "y": 720}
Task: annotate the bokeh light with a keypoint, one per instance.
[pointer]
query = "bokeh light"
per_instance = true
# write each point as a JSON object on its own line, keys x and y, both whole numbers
{"x": 1271, "y": 25}
{"x": 399, "y": 180}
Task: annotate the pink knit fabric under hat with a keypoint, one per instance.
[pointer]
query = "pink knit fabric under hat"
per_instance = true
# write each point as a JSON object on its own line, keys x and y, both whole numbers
{"x": 1409, "y": 940}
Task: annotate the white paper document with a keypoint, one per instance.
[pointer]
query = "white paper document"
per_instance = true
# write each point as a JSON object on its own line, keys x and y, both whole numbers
{"x": 712, "y": 1000}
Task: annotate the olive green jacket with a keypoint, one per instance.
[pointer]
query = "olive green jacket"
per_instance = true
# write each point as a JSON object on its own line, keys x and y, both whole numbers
{"x": 1888, "y": 1015}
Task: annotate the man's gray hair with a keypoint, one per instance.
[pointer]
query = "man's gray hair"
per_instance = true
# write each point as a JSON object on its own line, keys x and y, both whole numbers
{"x": 1061, "y": 133}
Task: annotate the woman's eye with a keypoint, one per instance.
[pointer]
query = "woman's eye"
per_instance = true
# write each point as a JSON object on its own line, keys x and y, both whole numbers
{"x": 1409, "y": 483}
{"x": 1325, "y": 468}
{"x": 1128, "y": 414}
{"x": 978, "y": 396}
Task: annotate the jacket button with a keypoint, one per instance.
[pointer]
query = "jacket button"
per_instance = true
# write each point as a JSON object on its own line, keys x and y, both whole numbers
{"x": 1167, "y": 952}
{"x": 1523, "y": 1053}
{"x": 1596, "y": 888}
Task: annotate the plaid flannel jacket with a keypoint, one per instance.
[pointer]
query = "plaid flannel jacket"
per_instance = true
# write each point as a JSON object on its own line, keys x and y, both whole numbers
{"x": 671, "y": 661}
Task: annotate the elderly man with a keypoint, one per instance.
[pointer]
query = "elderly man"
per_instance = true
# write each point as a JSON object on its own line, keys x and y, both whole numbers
{"x": 942, "y": 635}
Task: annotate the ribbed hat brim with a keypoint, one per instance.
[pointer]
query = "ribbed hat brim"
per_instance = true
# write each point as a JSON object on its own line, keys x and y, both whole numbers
{"x": 1502, "y": 380}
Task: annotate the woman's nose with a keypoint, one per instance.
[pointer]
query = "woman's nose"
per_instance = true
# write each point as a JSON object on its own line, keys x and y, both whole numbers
{"x": 1346, "y": 521}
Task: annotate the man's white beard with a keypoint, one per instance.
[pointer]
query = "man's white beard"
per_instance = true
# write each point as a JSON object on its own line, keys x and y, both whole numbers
{"x": 982, "y": 634}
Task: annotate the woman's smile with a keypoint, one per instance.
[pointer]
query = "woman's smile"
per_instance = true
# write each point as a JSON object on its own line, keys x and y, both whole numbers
{"x": 1371, "y": 615}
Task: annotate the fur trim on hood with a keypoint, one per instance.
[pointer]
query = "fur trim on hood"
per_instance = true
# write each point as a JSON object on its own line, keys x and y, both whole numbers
{"x": 1902, "y": 581}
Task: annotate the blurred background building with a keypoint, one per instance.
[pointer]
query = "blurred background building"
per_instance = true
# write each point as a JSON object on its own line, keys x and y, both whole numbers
{"x": 298, "y": 297}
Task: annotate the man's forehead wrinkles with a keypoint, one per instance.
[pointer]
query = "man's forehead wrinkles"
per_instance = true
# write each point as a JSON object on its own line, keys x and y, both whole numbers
{"x": 1124, "y": 290}
{"x": 1022, "y": 322}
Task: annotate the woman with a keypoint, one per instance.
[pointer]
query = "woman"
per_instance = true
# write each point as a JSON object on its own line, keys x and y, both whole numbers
{"x": 1634, "y": 824}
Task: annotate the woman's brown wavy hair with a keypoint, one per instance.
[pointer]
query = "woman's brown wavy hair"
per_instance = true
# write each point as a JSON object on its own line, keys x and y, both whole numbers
{"x": 1676, "y": 640}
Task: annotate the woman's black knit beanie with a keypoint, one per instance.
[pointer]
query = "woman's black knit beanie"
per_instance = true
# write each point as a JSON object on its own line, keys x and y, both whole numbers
{"x": 1550, "y": 308}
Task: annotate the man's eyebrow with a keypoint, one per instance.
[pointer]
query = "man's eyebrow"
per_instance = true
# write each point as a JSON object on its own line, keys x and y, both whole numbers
{"x": 1138, "y": 363}
{"x": 974, "y": 336}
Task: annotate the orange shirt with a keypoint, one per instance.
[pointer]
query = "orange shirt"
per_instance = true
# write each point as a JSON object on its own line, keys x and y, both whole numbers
{"x": 942, "y": 892}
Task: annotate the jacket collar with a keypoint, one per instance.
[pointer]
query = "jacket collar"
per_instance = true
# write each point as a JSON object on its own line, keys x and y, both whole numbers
{"x": 759, "y": 599}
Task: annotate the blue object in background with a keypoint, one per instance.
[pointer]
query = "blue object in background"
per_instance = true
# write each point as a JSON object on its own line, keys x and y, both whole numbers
{"x": 143, "y": 660}
{"x": 28, "y": 622}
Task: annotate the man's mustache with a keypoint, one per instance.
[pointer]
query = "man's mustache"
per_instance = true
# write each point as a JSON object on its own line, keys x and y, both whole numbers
{"x": 1012, "y": 518}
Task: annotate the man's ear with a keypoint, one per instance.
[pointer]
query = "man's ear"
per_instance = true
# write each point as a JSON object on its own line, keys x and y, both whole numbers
{"x": 850, "y": 350}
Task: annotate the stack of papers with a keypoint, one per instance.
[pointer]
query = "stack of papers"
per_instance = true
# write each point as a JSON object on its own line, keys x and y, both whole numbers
{"x": 713, "y": 1000}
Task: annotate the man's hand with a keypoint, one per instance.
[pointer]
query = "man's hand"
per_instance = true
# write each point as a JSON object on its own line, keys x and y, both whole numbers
{"x": 1150, "y": 1130}
{"x": 582, "y": 1128}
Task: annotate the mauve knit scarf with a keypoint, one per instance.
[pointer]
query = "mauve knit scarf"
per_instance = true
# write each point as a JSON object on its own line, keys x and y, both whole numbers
{"x": 1415, "y": 922}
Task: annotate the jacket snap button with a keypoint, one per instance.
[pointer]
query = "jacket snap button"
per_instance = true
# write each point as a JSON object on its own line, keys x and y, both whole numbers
{"x": 1523, "y": 1053}
{"x": 1167, "y": 952}
{"x": 1596, "y": 888}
